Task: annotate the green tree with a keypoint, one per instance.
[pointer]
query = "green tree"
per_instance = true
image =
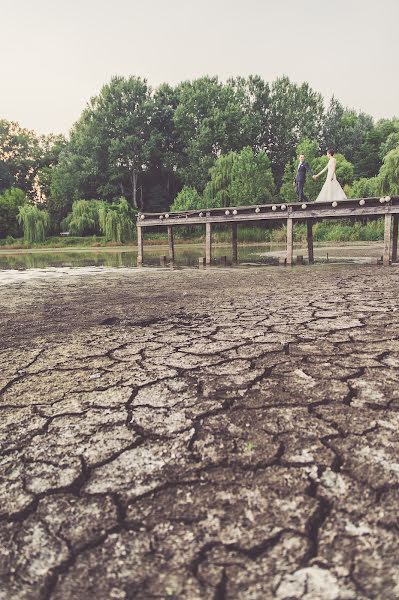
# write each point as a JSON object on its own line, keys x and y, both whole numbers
{"x": 253, "y": 96}
{"x": 187, "y": 199}
{"x": 84, "y": 218}
{"x": 34, "y": 223}
{"x": 365, "y": 187}
{"x": 110, "y": 146}
{"x": 389, "y": 144}
{"x": 167, "y": 154}
{"x": 20, "y": 154}
{"x": 353, "y": 135}
{"x": 10, "y": 202}
{"x": 240, "y": 178}
{"x": 251, "y": 179}
{"x": 209, "y": 123}
{"x": 116, "y": 221}
{"x": 218, "y": 190}
{"x": 389, "y": 173}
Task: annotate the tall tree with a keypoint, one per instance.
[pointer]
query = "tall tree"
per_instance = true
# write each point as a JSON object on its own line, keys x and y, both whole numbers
{"x": 209, "y": 122}
{"x": 112, "y": 143}
{"x": 20, "y": 155}
{"x": 296, "y": 112}
{"x": 11, "y": 201}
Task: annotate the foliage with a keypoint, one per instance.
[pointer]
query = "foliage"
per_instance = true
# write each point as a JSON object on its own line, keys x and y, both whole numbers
{"x": 390, "y": 143}
{"x": 209, "y": 122}
{"x": 187, "y": 199}
{"x": 116, "y": 221}
{"x": 389, "y": 173}
{"x": 111, "y": 144}
{"x": 19, "y": 156}
{"x": 148, "y": 144}
{"x": 34, "y": 223}
{"x": 84, "y": 218}
{"x": 240, "y": 178}
{"x": 217, "y": 192}
{"x": 251, "y": 179}
{"x": 10, "y": 202}
{"x": 365, "y": 188}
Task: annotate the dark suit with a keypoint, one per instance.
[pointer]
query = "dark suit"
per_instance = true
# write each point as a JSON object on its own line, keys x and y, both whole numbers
{"x": 300, "y": 180}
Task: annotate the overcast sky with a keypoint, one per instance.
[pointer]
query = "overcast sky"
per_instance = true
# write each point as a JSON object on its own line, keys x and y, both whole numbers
{"x": 56, "y": 54}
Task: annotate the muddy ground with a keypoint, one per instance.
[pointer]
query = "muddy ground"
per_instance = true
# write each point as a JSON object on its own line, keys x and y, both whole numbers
{"x": 200, "y": 435}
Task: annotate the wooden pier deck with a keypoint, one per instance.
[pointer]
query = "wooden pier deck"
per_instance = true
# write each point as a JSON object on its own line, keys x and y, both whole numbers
{"x": 287, "y": 213}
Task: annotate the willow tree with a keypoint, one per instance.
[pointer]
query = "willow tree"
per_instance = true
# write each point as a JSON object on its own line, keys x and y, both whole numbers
{"x": 116, "y": 221}
{"x": 240, "y": 178}
{"x": 389, "y": 173}
{"x": 84, "y": 218}
{"x": 34, "y": 223}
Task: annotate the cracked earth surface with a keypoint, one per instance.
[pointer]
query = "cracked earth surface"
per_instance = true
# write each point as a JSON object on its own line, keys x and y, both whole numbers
{"x": 223, "y": 434}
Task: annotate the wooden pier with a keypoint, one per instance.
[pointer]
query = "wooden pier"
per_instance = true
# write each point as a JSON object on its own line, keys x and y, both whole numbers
{"x": 288, "y": 214}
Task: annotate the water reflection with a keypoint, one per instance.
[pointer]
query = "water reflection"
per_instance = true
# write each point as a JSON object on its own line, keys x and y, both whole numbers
{"x": 185, "y": 255}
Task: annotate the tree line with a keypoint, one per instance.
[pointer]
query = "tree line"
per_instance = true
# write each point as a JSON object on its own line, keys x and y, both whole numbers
{"x": 200, "y": 143}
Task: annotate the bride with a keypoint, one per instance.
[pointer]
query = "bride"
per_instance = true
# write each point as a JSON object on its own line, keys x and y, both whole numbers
{"x": 331, "y": 189}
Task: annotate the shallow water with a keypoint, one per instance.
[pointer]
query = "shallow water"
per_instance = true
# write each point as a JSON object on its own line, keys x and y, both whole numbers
{"x": 185, "y": 255}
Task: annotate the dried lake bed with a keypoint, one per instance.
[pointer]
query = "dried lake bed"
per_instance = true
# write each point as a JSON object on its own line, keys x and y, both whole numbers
{"x": 225, "y": 433}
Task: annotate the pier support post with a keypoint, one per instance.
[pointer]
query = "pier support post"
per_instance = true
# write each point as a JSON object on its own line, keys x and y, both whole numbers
{"x": 208, "y": 243}
{"x": 387, "y": 239}
{"x": 309, "y": 228}
{"x": 140, "y": 246}
{"x": 171, "y": 244}
{"x": 234, "y": 243}
{"x": 290, "y": 241}
{"x": 395, "y": 238}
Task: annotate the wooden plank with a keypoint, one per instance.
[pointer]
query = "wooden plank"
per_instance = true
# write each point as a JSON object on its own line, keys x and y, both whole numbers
{"x": 322, "y": 213}
{"x": 234, "y": 243}
{"x": 309, "y": 235}
{"x": 208, "y": 243}
{"x": 387, "y": 240}
{"x": 395, "y": 238}
{"x": 294, "y": 205}
{"x": 140, "y": 246}
{"x": 290, "y": 241}
{"x": 171, "y": 244}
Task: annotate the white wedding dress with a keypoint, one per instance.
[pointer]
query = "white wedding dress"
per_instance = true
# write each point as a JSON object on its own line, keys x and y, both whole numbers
{"x": 331, "y": 189}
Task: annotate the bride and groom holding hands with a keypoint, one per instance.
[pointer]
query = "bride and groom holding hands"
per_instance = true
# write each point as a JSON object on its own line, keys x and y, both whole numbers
{"x": 331, "y": 189}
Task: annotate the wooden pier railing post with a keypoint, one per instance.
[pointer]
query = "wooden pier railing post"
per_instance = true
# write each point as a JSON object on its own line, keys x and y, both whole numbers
{"x": 140, "y": 246}
{"x": 309, "y": 226}
{"x": 387, "y": 240}
{"x": 395, "y": 238}
{"x": 290, "y": 241}
{"x": 234, "y": 243}
{"x": 208, "y": 243}
{"x": 171, "y": 244}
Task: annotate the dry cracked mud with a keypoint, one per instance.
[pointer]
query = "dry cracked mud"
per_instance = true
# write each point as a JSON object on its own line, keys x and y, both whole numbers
{"x": 222, "y": 434}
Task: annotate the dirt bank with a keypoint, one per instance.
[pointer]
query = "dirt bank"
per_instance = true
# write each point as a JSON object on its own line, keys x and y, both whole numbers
{"x": 200, "y": 435}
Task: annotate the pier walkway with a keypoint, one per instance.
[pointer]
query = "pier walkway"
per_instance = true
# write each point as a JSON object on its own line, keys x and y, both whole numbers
{"x": 288, "y": 214}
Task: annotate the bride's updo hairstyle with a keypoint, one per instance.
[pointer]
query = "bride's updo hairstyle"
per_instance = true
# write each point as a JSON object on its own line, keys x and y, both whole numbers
{"x": 331, "y": 152}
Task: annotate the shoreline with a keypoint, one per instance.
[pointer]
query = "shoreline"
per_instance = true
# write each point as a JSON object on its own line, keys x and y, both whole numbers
{"x": 148, "y": 245}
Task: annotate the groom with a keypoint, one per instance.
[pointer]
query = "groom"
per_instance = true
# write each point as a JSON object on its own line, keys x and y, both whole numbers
{"x": 300, "y": 178}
